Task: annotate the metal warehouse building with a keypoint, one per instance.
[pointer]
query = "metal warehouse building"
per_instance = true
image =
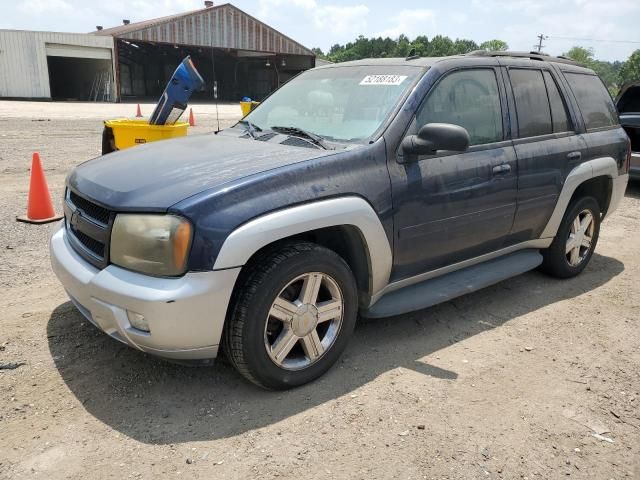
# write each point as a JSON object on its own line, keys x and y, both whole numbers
{"x": 56, "y": 65}
{"x": 135, "y": 60}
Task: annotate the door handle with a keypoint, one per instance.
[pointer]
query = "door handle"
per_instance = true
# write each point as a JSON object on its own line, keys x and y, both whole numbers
{"x": 501, "y": 169}
{"x": 574, "y": 156}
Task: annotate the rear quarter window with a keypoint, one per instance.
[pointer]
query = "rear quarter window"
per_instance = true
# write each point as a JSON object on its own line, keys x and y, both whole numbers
{"x": 593, "y": 100}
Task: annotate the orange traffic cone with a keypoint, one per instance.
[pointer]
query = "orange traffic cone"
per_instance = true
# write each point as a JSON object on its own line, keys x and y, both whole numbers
{"x": 192, "y": 119}
{"x": 39, "y": 209}
{"x": 138, "y": 112}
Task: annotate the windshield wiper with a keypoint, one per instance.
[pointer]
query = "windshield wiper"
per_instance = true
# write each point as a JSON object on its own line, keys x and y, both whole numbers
{"x": 298, "y": 132}
{"x": 251, "y": 128}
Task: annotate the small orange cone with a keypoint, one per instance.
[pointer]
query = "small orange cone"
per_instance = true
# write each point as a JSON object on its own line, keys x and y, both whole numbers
{"x": 39, "y": 209}
{"x": 192, "y": 119}
{"x": 138, "y": 112}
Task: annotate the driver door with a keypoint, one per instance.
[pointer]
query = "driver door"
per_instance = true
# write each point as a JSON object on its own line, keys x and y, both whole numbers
{"x": 453, "y": 206}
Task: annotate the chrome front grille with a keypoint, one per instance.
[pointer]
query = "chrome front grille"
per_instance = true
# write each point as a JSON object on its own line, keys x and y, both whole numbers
{"x": 93, "y": 211}
{"x": 89, "y": 227}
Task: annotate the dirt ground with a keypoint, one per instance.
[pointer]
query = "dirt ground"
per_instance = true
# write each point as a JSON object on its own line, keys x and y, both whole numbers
{"x": 531, "y": 378}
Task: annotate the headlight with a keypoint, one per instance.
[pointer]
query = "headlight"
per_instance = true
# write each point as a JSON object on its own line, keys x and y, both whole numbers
{"x": 153, "y": 244}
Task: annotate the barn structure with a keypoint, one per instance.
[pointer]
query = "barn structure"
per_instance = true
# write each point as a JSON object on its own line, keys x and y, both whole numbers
{"x": 54, "y": 65}
{"x": 232, "y": 50}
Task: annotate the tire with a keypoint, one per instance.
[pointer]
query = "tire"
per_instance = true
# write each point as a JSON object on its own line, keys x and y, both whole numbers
{"x": 283, "y": 346}
{"x": 559, "y": 263}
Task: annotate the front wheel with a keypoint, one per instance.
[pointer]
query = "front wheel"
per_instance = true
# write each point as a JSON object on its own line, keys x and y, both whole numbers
{"x": 575, "y": 240}
{"x": 292, "y": 316}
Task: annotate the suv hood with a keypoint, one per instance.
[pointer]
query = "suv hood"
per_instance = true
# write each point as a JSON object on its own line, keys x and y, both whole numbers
{"x": 155, "y": 176}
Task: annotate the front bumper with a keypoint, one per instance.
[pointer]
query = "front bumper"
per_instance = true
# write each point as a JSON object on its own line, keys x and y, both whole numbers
{"x": 185, "y": 314}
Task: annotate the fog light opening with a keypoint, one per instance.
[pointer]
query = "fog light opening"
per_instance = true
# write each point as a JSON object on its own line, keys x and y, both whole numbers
{"x": 138, "y": 321}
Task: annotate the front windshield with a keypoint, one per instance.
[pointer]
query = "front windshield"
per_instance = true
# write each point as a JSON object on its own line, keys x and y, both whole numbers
{"x": 338, "y": 103}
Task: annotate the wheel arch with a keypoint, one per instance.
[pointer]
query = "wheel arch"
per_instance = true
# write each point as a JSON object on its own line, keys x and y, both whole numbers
{"x": 595, "y": 178}
{"x": 347, "y": 225}
{"x": 599, "y": 187}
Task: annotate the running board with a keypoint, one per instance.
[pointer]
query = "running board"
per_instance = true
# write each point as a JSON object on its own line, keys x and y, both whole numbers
{"x": 441, "y": 289}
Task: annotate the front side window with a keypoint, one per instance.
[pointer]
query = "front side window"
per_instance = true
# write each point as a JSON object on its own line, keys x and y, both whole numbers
{"x": 339, "y": 103}
{"x": 532, "y": 102}
{"x": 470, "y": 99}
{"x": 593, "y": 100}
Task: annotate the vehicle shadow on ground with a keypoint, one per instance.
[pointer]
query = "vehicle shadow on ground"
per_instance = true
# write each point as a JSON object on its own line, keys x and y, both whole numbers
{"x": 157, "y": 402}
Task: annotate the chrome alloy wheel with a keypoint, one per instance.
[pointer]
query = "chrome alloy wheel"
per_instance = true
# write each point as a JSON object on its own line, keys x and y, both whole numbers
{"x": 580, "y": 238}
{"x": 304, "y": 321}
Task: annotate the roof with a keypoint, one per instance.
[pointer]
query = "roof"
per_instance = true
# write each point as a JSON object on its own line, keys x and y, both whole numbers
{"x": 512, "y": 58}
{"x": 221, "y": 26}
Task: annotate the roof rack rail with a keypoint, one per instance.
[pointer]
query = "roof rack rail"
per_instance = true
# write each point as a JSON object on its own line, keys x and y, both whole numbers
{"x": 530, "y": 55}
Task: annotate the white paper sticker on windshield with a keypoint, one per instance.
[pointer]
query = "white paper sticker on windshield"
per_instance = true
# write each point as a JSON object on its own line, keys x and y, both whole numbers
{"x": 383, "y": 80}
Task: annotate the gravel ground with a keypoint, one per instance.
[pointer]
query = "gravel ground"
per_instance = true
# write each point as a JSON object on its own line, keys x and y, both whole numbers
{"x": 531, "y": 378}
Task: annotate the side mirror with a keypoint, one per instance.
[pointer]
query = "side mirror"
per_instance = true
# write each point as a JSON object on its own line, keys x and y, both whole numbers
{"x": 436, "y": 136}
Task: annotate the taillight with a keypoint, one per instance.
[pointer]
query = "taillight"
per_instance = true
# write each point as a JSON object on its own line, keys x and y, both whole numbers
{"x": 627, "y": 161}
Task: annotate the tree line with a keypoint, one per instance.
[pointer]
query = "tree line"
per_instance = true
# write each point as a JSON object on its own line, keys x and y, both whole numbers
{"x": 438, "y": 46}
{"x": 614, "y": 74}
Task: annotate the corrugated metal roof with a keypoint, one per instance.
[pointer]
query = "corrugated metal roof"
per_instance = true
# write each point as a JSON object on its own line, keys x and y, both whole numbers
{"x": 221, "y": 26}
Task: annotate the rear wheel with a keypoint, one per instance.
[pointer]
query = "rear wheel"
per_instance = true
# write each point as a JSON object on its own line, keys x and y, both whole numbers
{"x": 575, "y": 240}
{"x": 292, "y": 317}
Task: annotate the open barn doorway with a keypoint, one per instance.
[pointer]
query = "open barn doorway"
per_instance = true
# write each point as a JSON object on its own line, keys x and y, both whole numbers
{"x": 80, "y": 73}
{"x": 85, "y": 79}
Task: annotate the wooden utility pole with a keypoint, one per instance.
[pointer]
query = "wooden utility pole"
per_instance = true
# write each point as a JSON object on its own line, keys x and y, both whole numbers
{"x": 539, "y": 46}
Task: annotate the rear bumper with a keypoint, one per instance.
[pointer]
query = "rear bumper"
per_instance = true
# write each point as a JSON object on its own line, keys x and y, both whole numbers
{"x": 634, "y": 169}
{"x": 185, "y": 315}
{"x": 617, "y": 193}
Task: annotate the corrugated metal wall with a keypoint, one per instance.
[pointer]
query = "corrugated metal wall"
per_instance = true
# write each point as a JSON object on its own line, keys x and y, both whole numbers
{"x": 219, "y": 27}
{"x": 23, "y": 59}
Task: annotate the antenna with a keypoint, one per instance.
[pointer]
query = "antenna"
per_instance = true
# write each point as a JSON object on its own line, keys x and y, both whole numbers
{"x": 539, "y": 45}
{"x": 215, "y": 95}
{"x": 215, "y": 79}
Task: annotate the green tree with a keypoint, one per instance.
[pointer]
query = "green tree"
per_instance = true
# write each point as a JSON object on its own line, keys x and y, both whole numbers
{"x": 318, "y": 52}
{"x": 421, "y": 44}
{"x": 403, "y": 46}
{"x": 494, "y": 46}
{"x": 363, "y": 47}
{"x": 441, "y": 46}
{"x": 581, "y": 55}
{"x": 630, "y": 70}
{"x": 462, "y": 45}
{"x": 607, "y": 71}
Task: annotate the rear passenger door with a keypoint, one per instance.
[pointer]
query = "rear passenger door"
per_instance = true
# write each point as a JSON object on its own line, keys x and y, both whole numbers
{"x": 547, "y": 147}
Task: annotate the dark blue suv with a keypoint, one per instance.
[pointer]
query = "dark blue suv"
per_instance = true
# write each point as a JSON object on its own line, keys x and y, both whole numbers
{"x": 374, "y": 187}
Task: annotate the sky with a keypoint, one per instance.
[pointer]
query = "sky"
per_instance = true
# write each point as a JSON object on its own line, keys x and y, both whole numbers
{"x": 604, "y": 25}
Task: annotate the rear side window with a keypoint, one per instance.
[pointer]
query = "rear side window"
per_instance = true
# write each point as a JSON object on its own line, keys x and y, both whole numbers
{"x": 593, "y": 99}
{"x": 559, "y": 116}
{"x": 470, "y": 99}
{"x": 532, "y": 103}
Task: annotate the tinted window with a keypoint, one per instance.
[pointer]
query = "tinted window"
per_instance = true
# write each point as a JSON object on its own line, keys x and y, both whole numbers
{"x": 593, "y": 99}
{"x": 532, "y": 103}
{"x": 559, "y": 116}
{"x": 468, "y": 98}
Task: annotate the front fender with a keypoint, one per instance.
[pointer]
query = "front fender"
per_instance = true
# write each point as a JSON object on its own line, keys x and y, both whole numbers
{"x": 247, "y": 239}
